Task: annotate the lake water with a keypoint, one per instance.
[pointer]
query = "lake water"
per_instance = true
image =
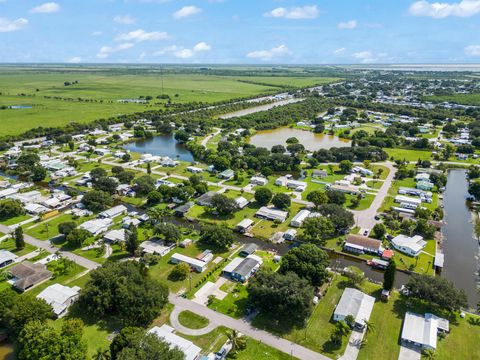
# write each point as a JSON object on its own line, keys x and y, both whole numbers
{"x": 161, "y": 145}
{"x": 460, "y": 246}
{"x": 309, "y": 139}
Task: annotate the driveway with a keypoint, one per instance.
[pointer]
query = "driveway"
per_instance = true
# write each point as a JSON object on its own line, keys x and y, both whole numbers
{"x": 353, "y": 346}
{"x": 407, "y": 353}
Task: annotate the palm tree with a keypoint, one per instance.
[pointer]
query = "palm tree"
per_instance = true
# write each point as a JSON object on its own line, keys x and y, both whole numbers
{"x": 237, "y": 341}
{"x": 369, "y": 327}
{"x": 102, "y": 354}
{"x": 429, "y": 354}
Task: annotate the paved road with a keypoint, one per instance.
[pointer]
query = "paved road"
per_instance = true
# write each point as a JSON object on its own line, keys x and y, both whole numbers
{"x": 207, "y": 139}
{"x": 187, "y": 331}
{"x": 246, "y": 328}
{"x": 365, "y": 219}
{"x": 45, "y": 245}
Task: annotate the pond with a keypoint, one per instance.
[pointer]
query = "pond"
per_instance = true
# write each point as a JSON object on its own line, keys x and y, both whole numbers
{"x": 161, "y": 145}
{"x": 20, "y": 107}
{"x": 460, "y": 246}
{"x": 309, "y": 139}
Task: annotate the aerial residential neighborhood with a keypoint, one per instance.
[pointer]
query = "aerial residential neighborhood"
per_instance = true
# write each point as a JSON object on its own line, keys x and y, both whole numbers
{"x": 213, "y": 180}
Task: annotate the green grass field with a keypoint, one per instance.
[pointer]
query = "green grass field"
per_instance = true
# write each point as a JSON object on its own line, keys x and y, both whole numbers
{"x": 54, "y": 104}
{"x": 192, "y": 320}
{"x": 466, "y": 99}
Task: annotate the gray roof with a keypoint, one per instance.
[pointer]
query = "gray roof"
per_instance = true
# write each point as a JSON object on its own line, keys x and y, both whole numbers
{"x": 249, "y": 248}
{"x": 356, "y": 303}
{"x": 28, "y": 274}
{"x": 246, "y": 266}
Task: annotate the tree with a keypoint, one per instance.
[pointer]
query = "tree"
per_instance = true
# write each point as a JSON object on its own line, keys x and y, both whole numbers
{"x": 355, "y": 276}
{"x": 477, "y": 228}
{"x": 131, "y": 240}
{"x": 11, "y": 208}
{"x": 236, "y": 340}
{"x": 223, "y": 204}
{"x": 263, "y": 196}
{"x": 336, "y": 197}
{"x": 125, "y": 177}
{"x": 437, "y": 291}
{"x": 97, "y": 200}
{"x": 317, "y": 230}
{"x": 341, "y": 218}
{"x": 98, "y": 173}
{"x": 123, "y": 339}
{"x": 345, "y": 166}
{"x": 429, "y": 354}
{"x": 144, "y": 185}
{"x": 179, "y": 272}
{"x": 317, "y": 197}
{"x": 19, "y": 240}
{"x": 38, "y": 173}
{"x": 307, "y": 261}
{"x": 149, "y": 168}
{"x": 107, "y": 184}
{"x": 168, "y": 231}
{"x": 77, "y": 236}
{"x": 281, "y": 201}
{"x": 124, "y": 290}
{"x": 149, "y": 347}
{"x": 217, "y": 235}
{"x": 154, "y": 197}
{"x": 286, "y": 298}
{"x": 66, "y": 227}
{"x": 379, "y": 230}
{"x": 389, "y": 276}
{"x": 16, "y": 311}
{"x": 221, "y": 163}
{"x": 369, "y": 327}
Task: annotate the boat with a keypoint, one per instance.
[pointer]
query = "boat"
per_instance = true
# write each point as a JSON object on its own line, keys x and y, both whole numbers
{"x": 377, "y": 263}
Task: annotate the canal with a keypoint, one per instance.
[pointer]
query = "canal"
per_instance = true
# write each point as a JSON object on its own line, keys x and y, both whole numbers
{"x": 460, "y": 246}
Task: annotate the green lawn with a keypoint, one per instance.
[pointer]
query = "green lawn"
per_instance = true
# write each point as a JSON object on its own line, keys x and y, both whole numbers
{"x": 192, "y": 320}
{"x": 408, "y": 154}
{"x": 49, "y": 228}
{"x": 466, "y": 99}
{"x": 235, "y": 303}
{"x": 15, "y": 220}
{"x": 9, "y": 244}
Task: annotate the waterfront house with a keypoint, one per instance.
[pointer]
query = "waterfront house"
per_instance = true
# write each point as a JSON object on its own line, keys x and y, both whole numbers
{"x": 409, "y": 245}
{"x": 354, "y": 303}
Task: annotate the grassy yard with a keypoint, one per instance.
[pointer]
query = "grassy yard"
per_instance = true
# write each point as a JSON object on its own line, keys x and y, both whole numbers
{"x": 15, "y": 220}
{"x": 235, "y": 303}
{"x": 192, "y": 320}
{"x": 9, "y": 244}
{"x": 49, "y": 228}
{"x": 408, "y": 154}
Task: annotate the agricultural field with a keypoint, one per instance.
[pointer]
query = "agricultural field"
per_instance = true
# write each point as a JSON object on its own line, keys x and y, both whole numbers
{"x": 465, "y": 99}
{"x": 54, "y": 104}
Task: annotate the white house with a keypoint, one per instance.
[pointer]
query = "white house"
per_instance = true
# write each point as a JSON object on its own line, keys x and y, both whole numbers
{"x": 96, "y": 226}
{"x": 271, "y": 214}
{"x": 422, "y": 331}
{"x": 6, "y": 258}
{"x": 113, "y": 212}
{"x": 241, "y": 202}
{"x": 189, "y": 349}
{"x": 194, "y": 170}
{"x": 195, "y": 264}
{"x": 409, "y": 245}
{"x": 59, "y": 297}
{"x": 258, "y": 180}
{"x": 355, "y": 303}
{"x": 35, "y": 209}
{"x": 115, "y": 236}
{"x": 299, "y": 218}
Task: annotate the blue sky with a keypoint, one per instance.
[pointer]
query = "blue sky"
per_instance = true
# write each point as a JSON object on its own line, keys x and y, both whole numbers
{"x": 240, "y": 31}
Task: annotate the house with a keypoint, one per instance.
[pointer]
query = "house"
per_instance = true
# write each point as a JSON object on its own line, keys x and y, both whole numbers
{"x": 206, "y": 199}
{"x": 299, "y": 218}
{"x": 182, "y": 210}
{"x": 167, "y": 162}
{"x": 408, "y": 200}
{"x": 422, "y": 177}
{"x": 290, "y": 234}
{"x": 347, "y": 189}
{"x": 362, "y": 170}
{"x": 319, "y": 173}
{"x": 27, "y": 275}
{"x": 355, "y": 303}
{"x": 59, "y": 297}
{"x": 188, "y": 348}
{"x": 6, "y": 258}
{"x": 271, "y": 214}
{"x": 113, "y": 212}
{"x": 291, "y": 183}
{"x": 258, "y": 180}
{"x": 242, "y": 269}
{"x": 195, "y": 264}
{"x": 248, "y": 249}
{"x": 422, "y": 331}
{"x": 359, "y": 244}
{"x": 425, "y": 185}
{"x": 194, "y": 170}
{"x": 127, "y": 221}
{"x": 241, "y": 202}
{"x": 244, "y": 225}
{"x": 96, "y": 226}
{"x": 115, "y": 236}
{"x": 35, "y": 209}
{"x": 409, "y": 245}
{"x": 156, "y": 247}
{"x": 226, "y": 174}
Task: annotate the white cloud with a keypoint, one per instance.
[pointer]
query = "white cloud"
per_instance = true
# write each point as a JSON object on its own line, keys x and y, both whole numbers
{"x": 202, "y": 46}
{"x": 265, "y": 55}
{"x": 96, "y": 33}
{"x": 352, "y": 24}
{"x": 184, "y": 53}
{"x": 7, "y": 25}
{"x": 364, "y": 56}
{"x": 105, "y": 51}
{"x": 473, "y": 50}
{"x": 49, "y": 7}
{"x": 140, "y": 35}
{"x": 186, "y": 11}
{"x": 340, "y": 51}
{"x": 438, "y": 10}
{"x": 296, "y": 13}
{"x": 124, "y": 19}
{"x": 75, "y": 60}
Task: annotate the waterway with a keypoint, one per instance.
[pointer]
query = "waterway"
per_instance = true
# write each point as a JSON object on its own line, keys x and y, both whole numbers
{"x": 161, "y": 145}
{"x": 312, "y": 141}
{"x": 460, "y": 246}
